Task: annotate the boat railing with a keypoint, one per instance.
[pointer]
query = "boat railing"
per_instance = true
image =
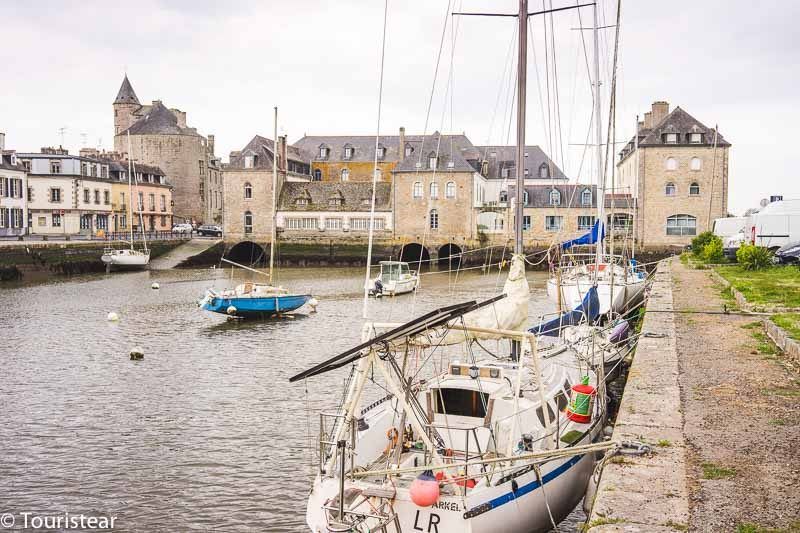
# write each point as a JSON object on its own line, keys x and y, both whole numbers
{"x": 458, "y": 455}
{"x": 328, "y": 427}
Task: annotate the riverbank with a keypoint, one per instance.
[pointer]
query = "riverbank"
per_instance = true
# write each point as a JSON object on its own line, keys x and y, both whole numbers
{"x": 727, "y": 406}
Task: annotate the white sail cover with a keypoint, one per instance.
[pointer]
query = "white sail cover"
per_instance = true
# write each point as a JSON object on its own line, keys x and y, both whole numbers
{"x": 509, "y": 313}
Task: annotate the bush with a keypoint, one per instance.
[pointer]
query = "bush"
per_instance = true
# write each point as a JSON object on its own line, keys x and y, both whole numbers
{"x": 712, "y": 251}
{"x": 753, "y": 257}
{"x": 699, "y": 242}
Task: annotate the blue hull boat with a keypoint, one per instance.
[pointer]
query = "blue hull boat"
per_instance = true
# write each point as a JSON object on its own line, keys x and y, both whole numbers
{"x": 254, "y": 306}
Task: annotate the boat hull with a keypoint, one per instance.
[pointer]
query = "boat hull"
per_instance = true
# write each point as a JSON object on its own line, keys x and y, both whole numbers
{"x": 257, "y": 306}
{"x": 126, "y": 260}
{"x": 404, "y": 286}
{"x": 624, "y": 296}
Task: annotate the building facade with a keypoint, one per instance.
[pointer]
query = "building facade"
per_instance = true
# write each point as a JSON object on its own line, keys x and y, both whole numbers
{"x": 13, "y": 193}
{"x": 161, "y": 138}
{"x": 678, "y": 175}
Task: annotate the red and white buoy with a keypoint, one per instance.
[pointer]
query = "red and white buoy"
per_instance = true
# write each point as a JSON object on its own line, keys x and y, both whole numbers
{"x": 424, "y": 490}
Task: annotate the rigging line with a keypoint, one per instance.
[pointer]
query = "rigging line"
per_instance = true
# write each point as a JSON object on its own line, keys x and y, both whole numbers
{"x": 557, "y": 93}
{"x": 547, "y": 84}
{"x": 585, "y": 53}
{"x": 500, "y": 91}
{"x": 375, "y": 167}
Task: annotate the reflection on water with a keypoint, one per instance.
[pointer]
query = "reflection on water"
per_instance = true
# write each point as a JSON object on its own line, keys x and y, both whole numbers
{"x": 205, "y": 432}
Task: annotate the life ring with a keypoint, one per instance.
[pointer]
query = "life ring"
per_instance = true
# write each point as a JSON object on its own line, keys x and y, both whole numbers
{"x": 590, "y": 267}
{"x": 393, "y": 435}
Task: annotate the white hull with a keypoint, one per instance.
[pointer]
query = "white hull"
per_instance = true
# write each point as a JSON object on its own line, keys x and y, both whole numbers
{"x": 126, "y": 258}
{"x": 617, "y": 297}
{"x": 403, "y": 286}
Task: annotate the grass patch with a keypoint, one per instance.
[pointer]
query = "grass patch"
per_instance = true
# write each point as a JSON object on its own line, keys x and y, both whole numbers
{"x": 777, "y": 285}
{"x": 663, "y": 443}
{"x": 790, "y": 322}
{"x": 765, "y": 346}
{"x": 747, "y": 527}
{"x": 620, "y": 460}
{"x": 676, "y": 525}
{"x": 712, "y": 471}
{"x": 777, "y": 422}
{"x": 784, "y": 392}
{"x": 601, "y": 522}
{"x": 753, "y": 325}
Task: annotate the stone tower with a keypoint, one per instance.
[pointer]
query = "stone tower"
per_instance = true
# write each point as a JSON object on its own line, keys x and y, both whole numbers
{"x": 125, "y": 104}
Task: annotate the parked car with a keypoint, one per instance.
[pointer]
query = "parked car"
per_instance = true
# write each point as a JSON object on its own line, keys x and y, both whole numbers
{"x": 182, "y": 228}
{"x": 210, "y": 229}
{"x": 788, "y": 254}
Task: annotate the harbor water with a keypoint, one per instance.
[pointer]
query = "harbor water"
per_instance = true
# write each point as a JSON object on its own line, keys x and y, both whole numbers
{"x": 204, "y": 433}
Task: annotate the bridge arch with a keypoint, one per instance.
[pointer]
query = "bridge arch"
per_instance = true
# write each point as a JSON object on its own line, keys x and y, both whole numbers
{"x": 449, "y": 256}
{"x": 413, "y": 252}
{"x": 248, "y": 253}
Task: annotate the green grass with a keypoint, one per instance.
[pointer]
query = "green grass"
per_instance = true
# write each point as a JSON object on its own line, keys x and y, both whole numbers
{"x": 601, "y": 522}
{"x": 663, "y": 443}
{"x": 784, "y": 392}
{"x": 712, "y": 471}
{"x": 765, "y": 346}
{"x": 790, "y": 322}
{"x": 747, "y": 527}
{"x": 778, "y": 285}
{"x": 676, "y": 525}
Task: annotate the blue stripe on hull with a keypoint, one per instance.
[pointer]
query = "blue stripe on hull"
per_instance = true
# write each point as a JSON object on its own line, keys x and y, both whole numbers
{"x": 257, "y": 306}
{"x": 533, "y": 485}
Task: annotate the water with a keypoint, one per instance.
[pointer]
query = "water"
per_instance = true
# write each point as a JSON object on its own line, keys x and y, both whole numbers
{"x": 206, "y": 432}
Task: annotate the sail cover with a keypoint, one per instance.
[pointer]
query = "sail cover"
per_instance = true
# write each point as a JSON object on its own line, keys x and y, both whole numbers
{"x": 589, "y": 238}
{"x": 588, "y": 311}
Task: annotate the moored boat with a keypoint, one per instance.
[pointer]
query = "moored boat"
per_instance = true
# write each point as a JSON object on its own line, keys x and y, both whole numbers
{"x": 395, "y": 278}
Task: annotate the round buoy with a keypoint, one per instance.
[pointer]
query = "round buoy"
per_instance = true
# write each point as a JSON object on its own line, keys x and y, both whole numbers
{"x": 113, "y": 317}
{"x": 155, "y": 285}
{"x": 313, "y": 303}
{"x": 137, "y": 354}
{"x": 424, "y": 490}
{"x": 231, "y": 310}
{"x": 581, "y": 402}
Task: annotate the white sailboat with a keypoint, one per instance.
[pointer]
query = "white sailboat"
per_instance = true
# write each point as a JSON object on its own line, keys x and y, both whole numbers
{"x": 466, "y": 440}
{"x": 130, "y": 258}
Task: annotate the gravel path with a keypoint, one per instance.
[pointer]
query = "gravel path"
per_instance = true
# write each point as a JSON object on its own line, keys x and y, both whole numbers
{"x": 741, "y": 408}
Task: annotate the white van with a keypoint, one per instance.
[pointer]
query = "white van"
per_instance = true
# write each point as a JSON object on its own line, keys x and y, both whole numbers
{"x": 725, "y": 227}
{"x": 773, "y": 226}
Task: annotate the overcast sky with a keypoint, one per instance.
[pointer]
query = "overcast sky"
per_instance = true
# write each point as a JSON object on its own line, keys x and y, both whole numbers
{"x": 726, "y": 62}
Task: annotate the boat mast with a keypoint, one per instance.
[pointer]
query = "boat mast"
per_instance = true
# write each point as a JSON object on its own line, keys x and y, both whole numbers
{"x": 274, "y": 194}
{"x": 522, "y": 73}
{"x": 601, "y": 185}
{"x": 130, "y": 190}
{"x": 635, "y": 186}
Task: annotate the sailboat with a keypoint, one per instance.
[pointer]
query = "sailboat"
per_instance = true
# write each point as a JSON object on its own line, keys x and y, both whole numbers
{"x": 128, "y": 257}
{"x": 257, "y": 300}
{"x": 465, "y": 439}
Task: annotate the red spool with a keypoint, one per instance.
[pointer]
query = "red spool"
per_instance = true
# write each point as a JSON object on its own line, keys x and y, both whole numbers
{"x": 581, "y": 402}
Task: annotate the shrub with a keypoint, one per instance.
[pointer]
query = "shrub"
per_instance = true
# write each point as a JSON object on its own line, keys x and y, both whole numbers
{"x": 712, "y": 251}
{"x": 699, "y": 242}
{"x": 753, "y": 257}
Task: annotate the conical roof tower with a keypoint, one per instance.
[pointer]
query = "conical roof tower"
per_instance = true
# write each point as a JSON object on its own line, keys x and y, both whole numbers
{"x": 126, "y": 94}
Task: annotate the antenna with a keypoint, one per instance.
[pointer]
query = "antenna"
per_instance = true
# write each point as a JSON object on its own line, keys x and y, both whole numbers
{"x": 61, "y": 131}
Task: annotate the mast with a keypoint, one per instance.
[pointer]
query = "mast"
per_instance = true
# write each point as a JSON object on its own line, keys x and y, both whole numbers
{"x": 601, "y": 185}
{"x": 274, "y": 194}
{"x": 635, "y": 186}
{"x": 130, "y": 190}
{"x": 522, "y": 73}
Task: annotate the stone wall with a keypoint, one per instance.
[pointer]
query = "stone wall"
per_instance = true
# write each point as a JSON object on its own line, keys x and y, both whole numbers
{"x": 260, "y": 205}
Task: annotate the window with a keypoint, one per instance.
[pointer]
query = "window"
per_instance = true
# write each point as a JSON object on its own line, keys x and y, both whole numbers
{"x": 106, "y": 197}
{"x": 248, "y": 222}
{"x": 94, "y": 170}
{"x": 163, "y": 220}
{"x": 55, "y": 195}
{"x": 317, "y": 174}
{"x": 123, "y": 221}
{"x": 681, "y": 225}
{"x": 202, "y": 165}
{"x": 460, "y": 402}
{"x": 669, "y": 189}
{"x": 30, "y": 194}
{"x": 84, "y": 169}
{"x": 249, "y": 161}
{"x": 378, "y": 174}
{"x": 97, "y": 196}
{"x": 102, "y": 222}
{"x": 104, "y": 171}
{"x": 163, "y": 203}
{"x": 670, "y": 138}
{"x": 695, "y": 138}
{"x": 151, "y": 201}
{"x": 55, "y": 167}
{"x": 524, "y": 197}
{"x": 499, "y": 223}
{"x": 26, "y": 164}
{"x": 552, "y": 223}
{"x": 122, "y": 200}
{"x": 696, "y": 163}
{"x": 380, "y": 152}
{"x": 56, "y": 220}
{"x": 544, "y": 171}
{"x": 307, "y": 223}
{"x": 503, "y": 196}
{"x": 323, "y": 152}
{"x": 348, "y": 152}
{"x": 333, "y": 223}
{"x": 585, "y": 222}
{"x": 362, "y": 224}
{"x": 434, "y": 190}
{"x": 586, "y": 197}
{"x": 434, "y": 219}
{"x": 248, "y": 191}
{"x": 301, "y": 201}
{"x": 409, "y": 150}
{"x": 141, "y": 201}
{"x": 417, "y": 193}
{"x": 87, "y": 196}
{"x": 555, "y": 197}
{"x": 432, "y": 161}
{"x": 504, "y": 172}
{"x": 335, "y": 201}
{"x": 671, "y": 163}
{"x": 694, "y": 189}
{"x": 450, "y": 189}
{"x": 345, "y": 174}
{"x": 526, "y": 222}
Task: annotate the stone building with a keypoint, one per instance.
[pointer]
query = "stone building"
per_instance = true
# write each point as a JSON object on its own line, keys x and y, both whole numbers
{"x": 682, "y": 170}
{"x": 160, "y": 137}
{"x": 248, "y": 186}
{"x": 13, "y": 193}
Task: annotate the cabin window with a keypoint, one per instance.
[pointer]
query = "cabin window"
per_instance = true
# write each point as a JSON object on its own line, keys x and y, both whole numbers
{"x": 417, "y": 189}
{"x": 681, "y": 225}
{"x": 669, "y": 189}
{"x": 248, "y": 191}
{"x": 586, "y": 197}
{"x": 460, "y": 402}
{"x": 248, "y": 222}
{"x": 694, "y": 189}
{"x": 434, "y": 219}
{"x": 696, "y": 163}
{"x": 434, "y": 190}
{"x": 450, "y": 189}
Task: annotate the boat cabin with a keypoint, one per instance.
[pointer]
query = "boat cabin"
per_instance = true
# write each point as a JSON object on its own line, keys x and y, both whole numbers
{"x": 394, "y": 271}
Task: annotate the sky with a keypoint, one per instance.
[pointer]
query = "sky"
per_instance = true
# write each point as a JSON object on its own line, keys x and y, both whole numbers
{"x": 227, "y": 64}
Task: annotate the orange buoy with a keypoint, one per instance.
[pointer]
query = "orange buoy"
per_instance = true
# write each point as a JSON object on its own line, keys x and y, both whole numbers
{"x": 424, "y": 490}
{"x": 581, "y": 402}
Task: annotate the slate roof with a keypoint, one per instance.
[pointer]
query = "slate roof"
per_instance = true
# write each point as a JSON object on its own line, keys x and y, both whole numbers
{"x": 455, "y": 154}
{"x": 677, "y": 121}
{"x": 158, "y": 120}
{"x": 363, "y": 147}
{"x": 126, "y": 95}
{"x": 263, "y": 148}
{"x": 539, "y": 196}
{"x": 354, "y": 196}
{"x": 5, "y": 163}
{"x": 505, "y": 157}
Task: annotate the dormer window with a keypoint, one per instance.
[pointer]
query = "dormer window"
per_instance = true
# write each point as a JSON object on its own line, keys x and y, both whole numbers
{"x": 586, "y": 197}
{"x": 348, "y": 152}
{"x": 249, "y": 161}
{"x": 484, "y": 168}
{"x": 504, "y": 172}
{"x": 555, "y": 197}
{"x": 451, "y": 164}
{"x": 432, "y": 159}
{"x": 335, "y": 202}
{"x": 544, "y": 171}
{"x": 301, "y": 201}
{"x": 323, "y": 152}
{"x": 55, "y": 167}
{"x": 670, "y": 138}
{"x": 503, "y": 196}
{"x": 380, "y": 152}
{"x": 695, "y": 138}
{"x": 409, "y": 150}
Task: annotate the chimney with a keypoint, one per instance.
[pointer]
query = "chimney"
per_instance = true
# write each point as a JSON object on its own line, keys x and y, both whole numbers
{"x": 659, "y": 111}
{"x": 640, "y": 126}
{"x": 211, "y": 144}
{"x": 648, "y": 120}
{"x": 401, "y": 150}
{"x": 283, "y": 154}
{"x": 2, "y": 142}
{"x": 89, "y": 152}
{"x": 181, "y": 116}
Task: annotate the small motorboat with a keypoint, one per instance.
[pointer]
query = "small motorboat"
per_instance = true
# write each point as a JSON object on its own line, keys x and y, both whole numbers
{"x": 395, "y": 278}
